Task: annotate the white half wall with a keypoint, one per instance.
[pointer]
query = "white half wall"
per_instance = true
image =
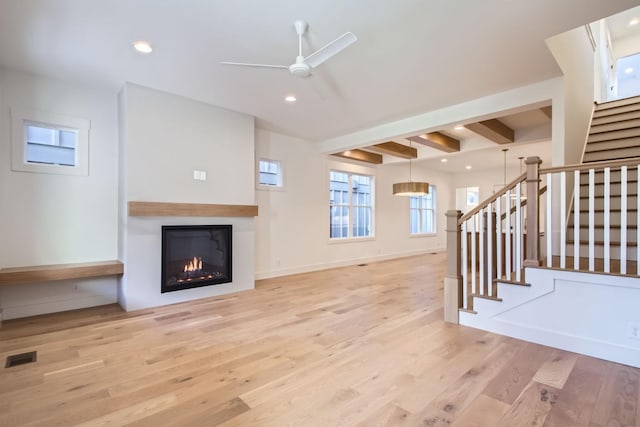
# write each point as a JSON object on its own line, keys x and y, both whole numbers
{"x": 57, "y": 219}
{"x": 592, "y": 314}
{"x": 575, "y": 56}
{"x": 292, "y": 230}
{"x": 163, "y": 139}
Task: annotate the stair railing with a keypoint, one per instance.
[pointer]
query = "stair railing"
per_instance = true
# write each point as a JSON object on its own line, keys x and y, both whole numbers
{"x": 501, "y": 236}
{"x": 577, "y": 242}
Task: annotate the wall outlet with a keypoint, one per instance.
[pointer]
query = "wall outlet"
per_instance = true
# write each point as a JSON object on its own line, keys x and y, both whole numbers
{"x": 199, "y": 175}
{"x": 633, "y": 330}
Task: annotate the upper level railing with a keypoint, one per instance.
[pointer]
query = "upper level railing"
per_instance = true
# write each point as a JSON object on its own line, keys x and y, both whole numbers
{"x": 589, "y": 215}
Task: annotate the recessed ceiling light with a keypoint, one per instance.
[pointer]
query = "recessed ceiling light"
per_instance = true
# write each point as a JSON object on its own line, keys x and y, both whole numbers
{"x": 459, "y": 127}
{"x": 443, "y": 160}
{"x": 628, "y": 70}
{"x": 633, "y": 22}
{"x": 290, "y": 98}
{"x": 142, "y": 46}
{"x": 467, "y": 167}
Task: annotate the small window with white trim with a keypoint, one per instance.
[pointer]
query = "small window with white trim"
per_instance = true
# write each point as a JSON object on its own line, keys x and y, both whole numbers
{"x": 270, "y": 174}
{"x": 49, "y": 143}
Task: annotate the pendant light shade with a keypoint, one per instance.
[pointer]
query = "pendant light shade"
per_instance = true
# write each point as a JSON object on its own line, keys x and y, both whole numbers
{"x": 410, "y": 188}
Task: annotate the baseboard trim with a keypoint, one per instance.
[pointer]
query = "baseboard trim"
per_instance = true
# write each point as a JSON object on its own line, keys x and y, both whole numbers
{"x": 578, "y": 344}
{"x": 47, "y": 307}
{"x": 342, "y": 263}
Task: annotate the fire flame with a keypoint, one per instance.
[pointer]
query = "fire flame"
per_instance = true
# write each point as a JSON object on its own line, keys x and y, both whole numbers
{"x": 194, "y": 265}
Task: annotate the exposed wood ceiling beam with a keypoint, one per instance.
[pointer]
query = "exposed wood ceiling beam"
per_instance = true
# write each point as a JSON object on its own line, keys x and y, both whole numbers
{"x": 494, "y": 130}
{"x": 361, "y": 155}
{"x": 437, "y": 140}
{"x": 394, "y": 149}
{"x": 547, "y": 111}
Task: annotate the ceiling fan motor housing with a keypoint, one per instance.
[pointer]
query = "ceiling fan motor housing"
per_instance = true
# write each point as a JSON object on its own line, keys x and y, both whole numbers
{"x": 300, "y": 70}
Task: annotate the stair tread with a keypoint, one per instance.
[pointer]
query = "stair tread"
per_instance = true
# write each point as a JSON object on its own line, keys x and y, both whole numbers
{"x": 630, "y": 158}
{"x": 603, "y": 106}
{"x": 617, "y": 125}
{"x": 629, "y": 181}
{"x": 511, "y": 282}
{"x": 586, "y": 196}
{"x": 601, "y": 242}
{"x": 614, "y": 135}
{"x": 593, "y": 147}
{"x": 614, "y": 118}
{"x": 487, "y": 297}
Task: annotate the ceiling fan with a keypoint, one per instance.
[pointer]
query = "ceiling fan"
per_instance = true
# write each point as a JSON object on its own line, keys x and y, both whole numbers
{"x": 303, "y": 65}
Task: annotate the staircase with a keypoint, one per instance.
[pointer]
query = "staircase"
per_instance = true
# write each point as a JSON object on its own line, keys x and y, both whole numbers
{"x": 614, "y": 135}
{"x": 583, "y": 295}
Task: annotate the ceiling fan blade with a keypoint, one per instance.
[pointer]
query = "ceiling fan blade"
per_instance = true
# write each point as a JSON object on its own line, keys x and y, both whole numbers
{"x": 330, "y": 49}
{"x": 244, "y": 64}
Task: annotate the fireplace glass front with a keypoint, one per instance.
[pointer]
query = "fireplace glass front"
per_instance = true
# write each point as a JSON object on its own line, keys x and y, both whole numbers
{"x": 195, "y": 255}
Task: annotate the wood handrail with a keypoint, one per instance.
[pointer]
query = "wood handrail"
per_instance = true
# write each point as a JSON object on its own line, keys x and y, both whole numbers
{"x": 592, "y": 165}
{"x": 509, "y": 186}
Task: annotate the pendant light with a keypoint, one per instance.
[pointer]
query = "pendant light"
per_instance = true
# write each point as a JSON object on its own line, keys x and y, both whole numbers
{"x": 410, "y": 188}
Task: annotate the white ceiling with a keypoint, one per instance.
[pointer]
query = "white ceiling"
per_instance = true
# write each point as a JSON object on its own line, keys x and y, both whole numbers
{"x": 412, "y": 56}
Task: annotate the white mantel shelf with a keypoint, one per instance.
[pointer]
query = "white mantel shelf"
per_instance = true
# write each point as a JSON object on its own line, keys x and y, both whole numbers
{"x": 191, "y": 209}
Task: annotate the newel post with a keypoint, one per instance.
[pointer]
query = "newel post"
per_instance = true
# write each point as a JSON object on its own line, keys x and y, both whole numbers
{"x": 532, "y": 251}
{"x": 453, "y": 279}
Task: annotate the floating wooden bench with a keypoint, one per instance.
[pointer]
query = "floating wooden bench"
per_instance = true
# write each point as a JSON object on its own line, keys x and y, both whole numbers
{"x": 47, "y": 273}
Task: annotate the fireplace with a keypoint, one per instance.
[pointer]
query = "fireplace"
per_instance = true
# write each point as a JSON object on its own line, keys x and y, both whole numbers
{"x": 195, "y": 256}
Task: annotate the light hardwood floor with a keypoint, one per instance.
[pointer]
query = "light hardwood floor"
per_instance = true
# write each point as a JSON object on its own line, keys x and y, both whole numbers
{"x": 355, "y": 346}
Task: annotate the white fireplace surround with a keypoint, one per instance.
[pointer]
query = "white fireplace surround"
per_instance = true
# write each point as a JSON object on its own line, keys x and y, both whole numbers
{"x": 158, "y": 136}
{"x": 140, "y": 284}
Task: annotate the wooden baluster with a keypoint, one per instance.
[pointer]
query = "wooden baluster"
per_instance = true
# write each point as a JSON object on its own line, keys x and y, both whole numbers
{"x": 453, "y": 280}
{"x": 638, "y": 220}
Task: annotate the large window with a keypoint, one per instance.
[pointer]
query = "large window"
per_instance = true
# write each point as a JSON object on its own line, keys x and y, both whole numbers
{"x": 350, "y": 205}
{"x": 422, "y": 212}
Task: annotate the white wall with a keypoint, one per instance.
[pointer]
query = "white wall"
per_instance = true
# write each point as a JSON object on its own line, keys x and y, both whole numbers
{"x": 576, "y": 57}
{"x": 292, "y": 230}
{"x": 486, "y": 180}
{"x": 591, "y": 314}
{"x": 164, "y": 138}
{"x": 53, "y": 219}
